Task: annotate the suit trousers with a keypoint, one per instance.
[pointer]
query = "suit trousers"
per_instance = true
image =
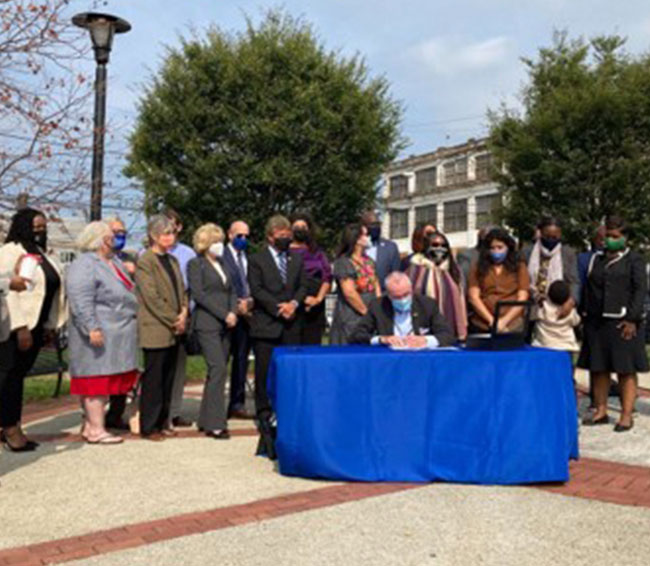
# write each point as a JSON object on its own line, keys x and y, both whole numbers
{"x": 179, "y": 383}
{"x": 14, "y": 366}
{"x": 240, "y": 347}
{"x": 156, "y": 388}
{"x": 215, "y": 346}
{"x": 263, "y": 348}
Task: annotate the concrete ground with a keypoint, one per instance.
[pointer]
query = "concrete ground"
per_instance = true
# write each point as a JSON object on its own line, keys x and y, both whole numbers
{"x": 194, "y": 501}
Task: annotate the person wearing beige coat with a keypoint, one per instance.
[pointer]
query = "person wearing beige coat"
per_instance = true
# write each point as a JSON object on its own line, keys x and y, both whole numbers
{"x": 162, "y": 316}
{"x": 33, "y": 317}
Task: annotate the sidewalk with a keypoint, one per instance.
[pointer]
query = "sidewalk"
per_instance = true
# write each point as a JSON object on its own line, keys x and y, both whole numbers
{"x": 193, "y": 501}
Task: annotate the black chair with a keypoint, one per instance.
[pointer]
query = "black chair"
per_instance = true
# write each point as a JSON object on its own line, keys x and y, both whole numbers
{"x": 496, "y": 340}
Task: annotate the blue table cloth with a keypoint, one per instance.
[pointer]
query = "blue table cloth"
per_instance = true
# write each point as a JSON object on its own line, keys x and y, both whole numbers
{"x": 374, "y": 414}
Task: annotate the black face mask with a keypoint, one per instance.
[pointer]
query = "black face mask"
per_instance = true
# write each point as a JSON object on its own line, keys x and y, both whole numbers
{"x": 550, "y": 243}
{"x": 438, "y": 254}
{"x": 301, "y": 235}
{"x": 282, "y": 244}
{"x": 40, "y": 239}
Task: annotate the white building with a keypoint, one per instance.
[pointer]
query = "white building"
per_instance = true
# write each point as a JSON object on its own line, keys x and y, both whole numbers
{"x": 450, "y": 188}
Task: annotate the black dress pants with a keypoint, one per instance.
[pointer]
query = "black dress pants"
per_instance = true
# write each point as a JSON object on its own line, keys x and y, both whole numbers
{"x": 14, "y": 366}
{"x": 240, "y": 347}
{"x": 263, "y": 348}
{"x": 156, "y": 389}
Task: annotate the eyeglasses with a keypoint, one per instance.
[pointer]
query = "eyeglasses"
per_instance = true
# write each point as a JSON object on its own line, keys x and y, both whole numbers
{"x": 244, "y": 236}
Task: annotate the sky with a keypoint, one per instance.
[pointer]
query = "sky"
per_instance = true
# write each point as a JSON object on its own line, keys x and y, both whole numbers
{"x": 448, "y": 61}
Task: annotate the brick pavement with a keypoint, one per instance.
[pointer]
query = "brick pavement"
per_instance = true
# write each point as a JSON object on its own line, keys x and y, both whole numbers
{"x": 593, "y": 479}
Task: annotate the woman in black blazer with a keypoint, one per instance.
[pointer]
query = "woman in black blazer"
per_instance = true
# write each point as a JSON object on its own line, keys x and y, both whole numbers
{"x": 613, "y": 332}
{"x": 215, "y": 304}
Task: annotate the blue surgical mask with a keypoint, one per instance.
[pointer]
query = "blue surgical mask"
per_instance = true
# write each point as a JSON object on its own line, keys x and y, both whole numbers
{"x": 240, "y": 243}
{"x": 374, "y": 231}
{"x": 119, "y": 241}
{"x": 498, "y": 257}
{"x": 402, "y": 305}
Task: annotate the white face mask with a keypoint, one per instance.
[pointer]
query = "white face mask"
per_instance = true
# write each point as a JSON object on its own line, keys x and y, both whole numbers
{"x": 216, "y": 249}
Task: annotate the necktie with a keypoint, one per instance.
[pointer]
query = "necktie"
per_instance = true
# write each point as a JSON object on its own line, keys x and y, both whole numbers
{"x": 283, "y": 266}
{"x": 242, "y": 273}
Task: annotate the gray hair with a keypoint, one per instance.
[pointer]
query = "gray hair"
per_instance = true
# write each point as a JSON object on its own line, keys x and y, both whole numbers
{"x": 395, "y": 278}
{"x": 158, "y": 225}
{"x": 92, "y": 236}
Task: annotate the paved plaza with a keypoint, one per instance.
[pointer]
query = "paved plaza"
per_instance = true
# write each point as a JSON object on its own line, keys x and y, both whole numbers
{"x": 194, "y": 501}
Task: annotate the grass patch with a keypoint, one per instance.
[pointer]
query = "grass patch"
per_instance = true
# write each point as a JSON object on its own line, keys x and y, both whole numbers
{"x": 43, "y": 387}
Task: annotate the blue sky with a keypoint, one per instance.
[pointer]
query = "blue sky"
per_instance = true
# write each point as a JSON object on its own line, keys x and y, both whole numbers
{"x": 448, "y": 60}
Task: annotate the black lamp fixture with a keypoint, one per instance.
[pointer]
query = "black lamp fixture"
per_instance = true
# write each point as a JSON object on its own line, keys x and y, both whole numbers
{"x": 102, "y": 29}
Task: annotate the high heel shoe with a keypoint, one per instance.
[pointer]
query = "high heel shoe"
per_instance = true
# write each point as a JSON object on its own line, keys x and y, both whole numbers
{"x": 29, "y": 445}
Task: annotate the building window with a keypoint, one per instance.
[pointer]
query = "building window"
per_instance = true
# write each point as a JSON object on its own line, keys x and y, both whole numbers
{"x": 456, "y": 171}
{"x": 484, "y": 167}
{"x": 426, "y": 215}
{"x": 399, "y": 224}
{"x": 399, "y": 186}
{"x": 487, "y": 210}
{"x": 426, "y": 180}
{"x": 455, "y": 212}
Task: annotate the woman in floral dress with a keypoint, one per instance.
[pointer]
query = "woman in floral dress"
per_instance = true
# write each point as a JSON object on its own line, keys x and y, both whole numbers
{"x": 356, "y": 280}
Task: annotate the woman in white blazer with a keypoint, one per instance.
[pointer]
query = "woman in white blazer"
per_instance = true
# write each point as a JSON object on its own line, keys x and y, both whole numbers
{"x": 33, "y": 315}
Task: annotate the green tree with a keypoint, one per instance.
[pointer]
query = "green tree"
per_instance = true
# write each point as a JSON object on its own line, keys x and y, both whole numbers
{"x": 580, "y": 149}
{"x": 263, "y": 121}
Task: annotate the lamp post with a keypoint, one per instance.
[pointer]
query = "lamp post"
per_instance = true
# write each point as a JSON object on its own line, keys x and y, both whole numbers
{"x": 102, "y": 28}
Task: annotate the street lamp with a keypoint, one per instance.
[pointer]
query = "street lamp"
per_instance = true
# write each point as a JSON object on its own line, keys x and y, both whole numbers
{"x": 102, "y": 28}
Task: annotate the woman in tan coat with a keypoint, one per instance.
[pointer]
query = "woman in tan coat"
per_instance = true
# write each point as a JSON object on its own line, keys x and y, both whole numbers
{"x": 162, "y": 317}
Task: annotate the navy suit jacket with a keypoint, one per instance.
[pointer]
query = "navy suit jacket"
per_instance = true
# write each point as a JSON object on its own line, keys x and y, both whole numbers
{"x": 230, "y": 263}
{"x": 388, "y": 260}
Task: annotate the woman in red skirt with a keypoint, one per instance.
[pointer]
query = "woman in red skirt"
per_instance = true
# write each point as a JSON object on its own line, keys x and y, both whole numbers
{"x": 102, "y": 330}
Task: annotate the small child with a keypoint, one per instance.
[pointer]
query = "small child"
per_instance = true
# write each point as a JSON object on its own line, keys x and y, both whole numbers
{"x": 554, "y": 332}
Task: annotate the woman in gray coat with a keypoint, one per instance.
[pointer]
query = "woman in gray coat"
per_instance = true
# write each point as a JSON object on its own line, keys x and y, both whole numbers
{"x": 103, "y": 330}
{"x": 213, "y": 318}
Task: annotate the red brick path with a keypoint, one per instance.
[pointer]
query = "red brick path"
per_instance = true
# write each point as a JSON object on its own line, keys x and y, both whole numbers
{"x": 140, "y": 534}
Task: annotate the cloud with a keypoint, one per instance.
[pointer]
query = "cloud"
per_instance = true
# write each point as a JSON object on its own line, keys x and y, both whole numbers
{"x": 450, "y": 55}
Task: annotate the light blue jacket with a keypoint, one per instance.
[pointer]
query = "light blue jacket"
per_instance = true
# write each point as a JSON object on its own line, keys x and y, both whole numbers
{"x": 99, "y": 300}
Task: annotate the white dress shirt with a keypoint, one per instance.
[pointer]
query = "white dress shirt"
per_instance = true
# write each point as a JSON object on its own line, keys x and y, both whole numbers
{"x": 403, "y": 326}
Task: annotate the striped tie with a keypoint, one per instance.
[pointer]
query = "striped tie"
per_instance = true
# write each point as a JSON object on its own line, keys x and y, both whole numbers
{"x": 283, "y": 266}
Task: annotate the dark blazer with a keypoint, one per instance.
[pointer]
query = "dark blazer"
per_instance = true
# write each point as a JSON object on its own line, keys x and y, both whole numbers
{"x": 268, "y": 290}
{"x": 230, "y": 263}
{"x": 212, "y": 298}
{"x": 388, "y": 260}
{"x": 616, "y": 288}
{"x": 569, "y": 269}
{"x": 426, "y": 317}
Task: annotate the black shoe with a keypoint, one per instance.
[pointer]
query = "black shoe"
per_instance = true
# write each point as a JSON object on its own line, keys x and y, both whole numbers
{"x": 590, "y": 421}
{"x": 29, "y": 446}
{"x": 221, "y": 435}
{"x": 182, "y": 422}
{"x": 623, "y": 428}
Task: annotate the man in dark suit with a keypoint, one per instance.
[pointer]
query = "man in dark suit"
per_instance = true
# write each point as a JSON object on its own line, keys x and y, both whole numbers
{"x": 235, "y": 260}
{"x": 383, "y": 252}
{"x": 403, "y": 319}
{"x": 278, "y": 285}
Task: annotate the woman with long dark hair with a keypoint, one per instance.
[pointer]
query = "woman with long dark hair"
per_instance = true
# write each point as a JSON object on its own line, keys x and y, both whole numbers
{"x": 319, "y": 276}
{"x": 614, "y": 318}
{"x": 433, "y": 271}
{"x": 357, "y": 283}
{"x": 35, "y": 315}
{"x": 499, "y": 275}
